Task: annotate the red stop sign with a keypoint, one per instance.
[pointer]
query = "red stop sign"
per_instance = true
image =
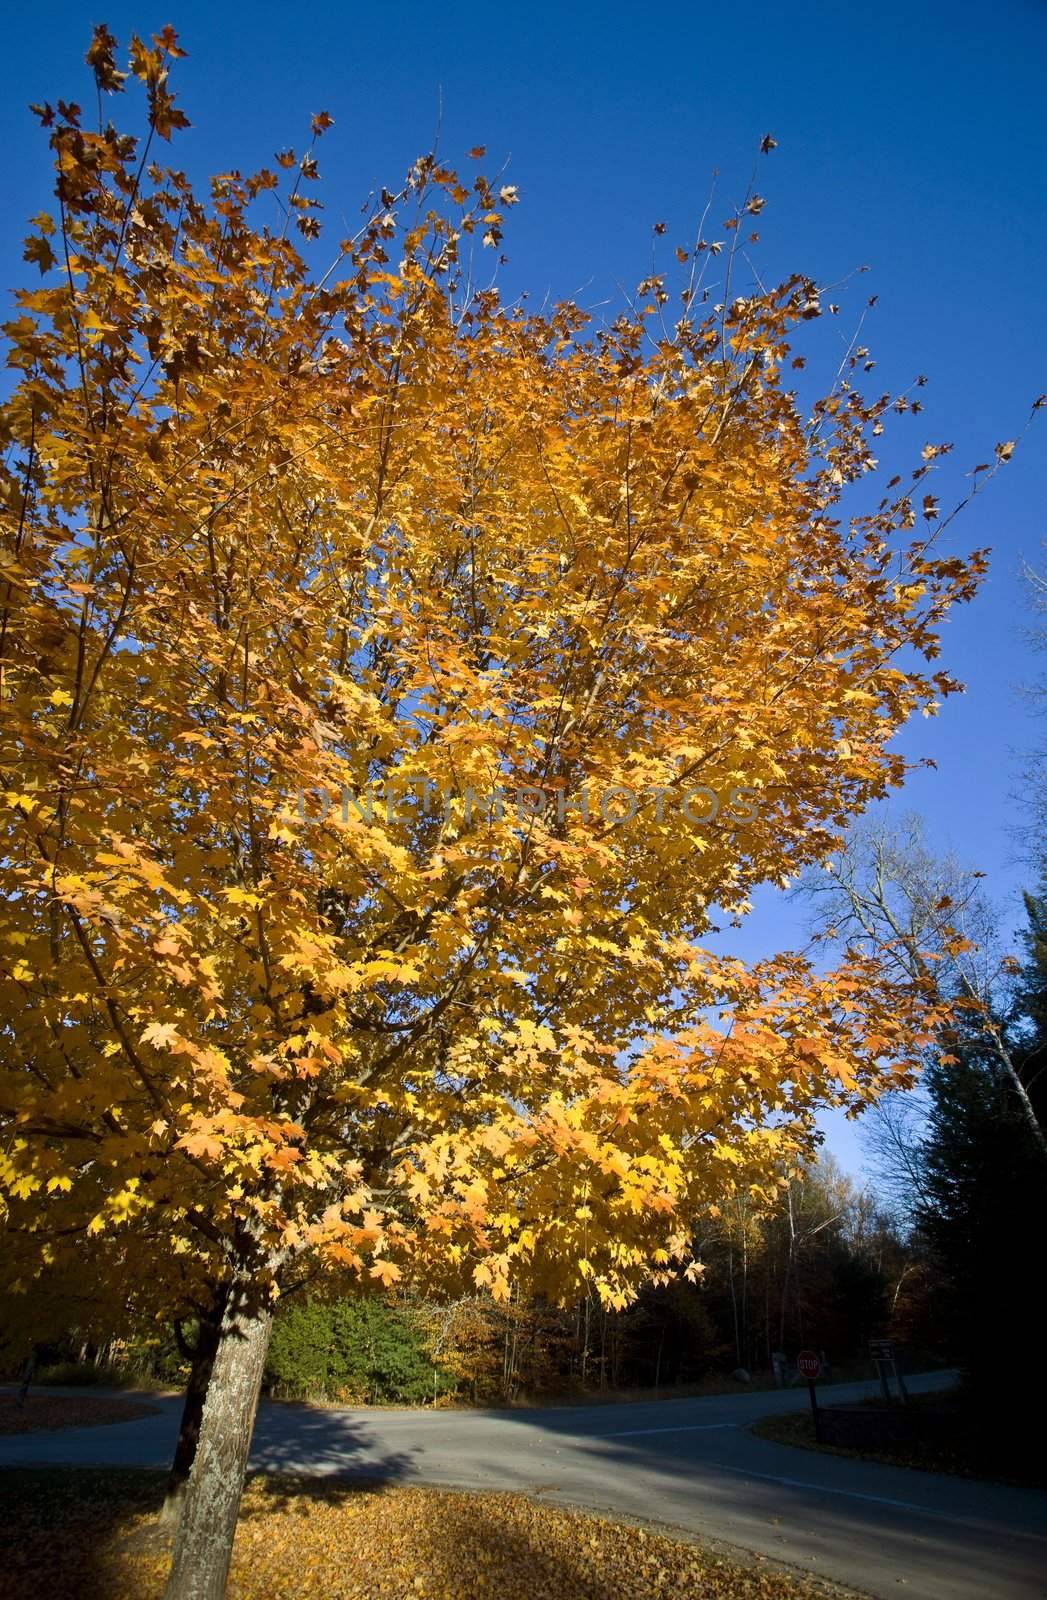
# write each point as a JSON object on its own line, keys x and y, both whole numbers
{"x": 808, "y": 1365}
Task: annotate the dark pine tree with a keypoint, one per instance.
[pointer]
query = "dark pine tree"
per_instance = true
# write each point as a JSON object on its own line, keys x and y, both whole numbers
{"x": 985, "y": 1217}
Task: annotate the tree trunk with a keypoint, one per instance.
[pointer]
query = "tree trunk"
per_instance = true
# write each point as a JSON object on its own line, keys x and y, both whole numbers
{"x": 734, "y": 1307}
{"x": 746, "y": 1357}
{"x": 202, "y": 1363}
{"x": 26, "y": 1377}
{"x": 204, "y": 1541}
{"x": 788, "y": 1271}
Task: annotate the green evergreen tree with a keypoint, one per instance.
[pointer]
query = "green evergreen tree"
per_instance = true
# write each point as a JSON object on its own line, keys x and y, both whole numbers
{"x": 985, "y": 1209}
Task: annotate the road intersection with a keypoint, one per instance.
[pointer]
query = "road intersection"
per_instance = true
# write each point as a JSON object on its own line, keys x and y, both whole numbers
{"x": 690, "y": 1464}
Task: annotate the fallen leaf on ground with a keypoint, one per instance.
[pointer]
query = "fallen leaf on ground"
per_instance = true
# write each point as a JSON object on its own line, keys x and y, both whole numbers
{"x": 47, "y": 1411}
{"x": 91, "y": 1534}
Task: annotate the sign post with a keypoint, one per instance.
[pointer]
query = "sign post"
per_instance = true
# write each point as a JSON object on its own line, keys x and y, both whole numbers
{"x": 809, "y": 1366}
{"x": 884, "y": 1356}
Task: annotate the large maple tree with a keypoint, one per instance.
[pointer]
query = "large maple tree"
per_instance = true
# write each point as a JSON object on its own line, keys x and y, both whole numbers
{"x": 395, "y": 685}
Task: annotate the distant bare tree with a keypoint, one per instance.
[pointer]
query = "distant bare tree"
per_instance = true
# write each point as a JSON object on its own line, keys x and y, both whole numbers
{"x": 930, "y": 917}
{"x": 895, "y": 1139}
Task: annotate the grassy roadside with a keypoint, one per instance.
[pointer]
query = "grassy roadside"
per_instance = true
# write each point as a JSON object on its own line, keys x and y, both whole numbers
{"x": 956, "y": 1451}
{"x": 47, "y": 1411}
{"x": 714, "y": 1384}
{"x": 83, "y": 1534}
{"x": 87, "y": 1375}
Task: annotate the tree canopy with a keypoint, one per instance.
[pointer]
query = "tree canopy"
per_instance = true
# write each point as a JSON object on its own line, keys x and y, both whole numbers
{"x": 396, "y": 683}
{"x": 270, "y": 537}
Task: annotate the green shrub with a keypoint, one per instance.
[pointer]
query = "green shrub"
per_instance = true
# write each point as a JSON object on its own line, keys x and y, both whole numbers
{"x": 73, "y": 1374}
{"x": 354, "y": 1350}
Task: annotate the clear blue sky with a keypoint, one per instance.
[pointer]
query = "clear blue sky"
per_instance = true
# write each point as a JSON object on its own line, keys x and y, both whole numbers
{"x": 912, "y": 139}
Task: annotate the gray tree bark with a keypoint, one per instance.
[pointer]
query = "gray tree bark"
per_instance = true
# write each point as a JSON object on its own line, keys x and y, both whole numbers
{"x": 202, "y": 1362}
{"x": 204, "y": 1541}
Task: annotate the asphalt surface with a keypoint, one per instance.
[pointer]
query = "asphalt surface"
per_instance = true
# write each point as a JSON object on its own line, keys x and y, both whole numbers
{"x": 690, "y": 1464}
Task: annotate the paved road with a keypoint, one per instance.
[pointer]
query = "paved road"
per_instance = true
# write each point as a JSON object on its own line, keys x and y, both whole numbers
{"x": 689, "y": 1463}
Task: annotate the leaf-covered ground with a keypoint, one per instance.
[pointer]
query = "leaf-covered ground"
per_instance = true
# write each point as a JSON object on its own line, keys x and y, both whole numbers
{"x": 84, "y": 1535}
{"x": 62, "y": 1411}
